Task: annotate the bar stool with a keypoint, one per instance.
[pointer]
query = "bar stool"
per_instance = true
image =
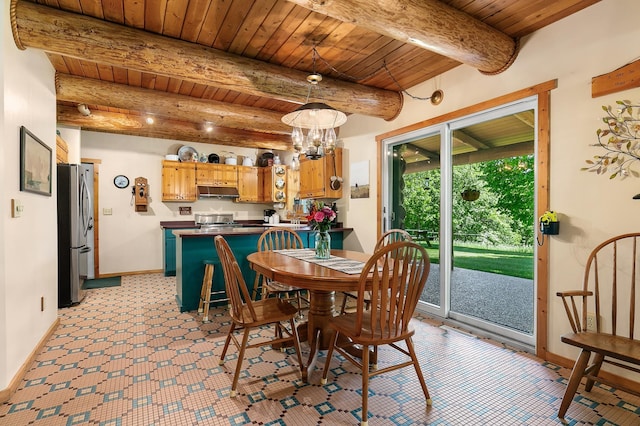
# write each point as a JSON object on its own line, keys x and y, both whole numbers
{"x": 206, "y": 293}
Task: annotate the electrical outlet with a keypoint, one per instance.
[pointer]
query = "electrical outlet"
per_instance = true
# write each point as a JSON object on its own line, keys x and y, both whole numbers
{"x": 591, "y": 321}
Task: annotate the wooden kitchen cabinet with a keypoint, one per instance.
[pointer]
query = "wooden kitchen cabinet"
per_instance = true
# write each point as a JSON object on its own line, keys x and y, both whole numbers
{"x": 178, "y": 181}
{"x": 273, "y": 181}
{"x": 316, "y": 175}
{"x": 210, "y": 174}
{"x": 249, "y": 189}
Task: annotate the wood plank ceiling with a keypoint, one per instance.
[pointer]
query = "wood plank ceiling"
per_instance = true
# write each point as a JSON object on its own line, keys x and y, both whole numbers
{"x": 263, "y": 37}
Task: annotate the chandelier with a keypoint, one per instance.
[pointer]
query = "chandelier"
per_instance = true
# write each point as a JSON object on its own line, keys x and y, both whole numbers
{"x": 320, "y": 121}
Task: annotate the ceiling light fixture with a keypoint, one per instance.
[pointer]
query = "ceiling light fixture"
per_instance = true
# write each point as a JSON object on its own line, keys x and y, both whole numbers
{"x": 149, "y": 120}
{"x": 317, "y": 117}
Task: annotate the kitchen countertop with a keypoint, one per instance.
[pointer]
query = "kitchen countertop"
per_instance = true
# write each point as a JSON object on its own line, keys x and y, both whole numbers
{"x": 243, "y": 230}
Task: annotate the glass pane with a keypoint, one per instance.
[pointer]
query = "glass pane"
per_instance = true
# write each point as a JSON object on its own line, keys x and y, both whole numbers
{"x": 492, "y": 227}
{"x": 417, "y": 204}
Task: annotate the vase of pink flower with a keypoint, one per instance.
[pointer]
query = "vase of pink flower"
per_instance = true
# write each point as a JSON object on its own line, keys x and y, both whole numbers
{"x": 320, "y": 219}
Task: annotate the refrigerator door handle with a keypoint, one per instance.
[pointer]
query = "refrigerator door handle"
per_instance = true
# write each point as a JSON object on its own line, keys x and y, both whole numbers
{"x": 87, "y": 217}
{"x": 84, "y": 249}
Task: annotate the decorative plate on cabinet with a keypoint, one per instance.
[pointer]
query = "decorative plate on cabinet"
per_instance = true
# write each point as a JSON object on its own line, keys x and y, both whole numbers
{"x": 279, "y": 183}
{"x": 187, "y": 153}
{"x": 279, "y": 170}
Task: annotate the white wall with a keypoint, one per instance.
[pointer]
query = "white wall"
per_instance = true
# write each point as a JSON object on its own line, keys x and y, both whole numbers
{"x": 28, "y": 252}
{"x": 131, "y": 241}
{"x": 592, "y": 208}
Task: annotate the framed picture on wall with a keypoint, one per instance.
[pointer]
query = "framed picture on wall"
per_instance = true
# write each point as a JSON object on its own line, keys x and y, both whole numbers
{"x": 35, "y": 164}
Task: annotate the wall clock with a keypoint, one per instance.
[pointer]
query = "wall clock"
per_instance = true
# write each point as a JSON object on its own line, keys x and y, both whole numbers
{"x": 121, "y": 181}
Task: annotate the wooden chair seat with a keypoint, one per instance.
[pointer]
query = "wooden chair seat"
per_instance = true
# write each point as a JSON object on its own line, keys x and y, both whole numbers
{"x": 617, "y": 347}
{"x": 266, "y": 311}
{"x": 369, "y": 333}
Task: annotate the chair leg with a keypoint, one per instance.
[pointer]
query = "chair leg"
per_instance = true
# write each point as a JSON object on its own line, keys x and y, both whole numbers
{"x": 226, "y": 343}
{"x": 205, "y": 294}
{"x": 574, "y": 382}
{"x": 344, "y": 303}
{"x": 236, "y": 375}
{"x": 332, "y": 344}
{"x": 256, "y": 287}
{"x": 416, "y": 364}
{"x": 365, "y": 386}
{"x": 597, "y": 363}
{"x": 296, "y": 342}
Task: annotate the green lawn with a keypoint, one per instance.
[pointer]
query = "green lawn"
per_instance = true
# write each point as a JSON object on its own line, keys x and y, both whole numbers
{"x": 512, "y": 261}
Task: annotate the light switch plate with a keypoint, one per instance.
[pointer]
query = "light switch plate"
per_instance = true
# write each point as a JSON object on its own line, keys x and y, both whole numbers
{"x": 16, "y": 208}
{"x": 107, "y": 212}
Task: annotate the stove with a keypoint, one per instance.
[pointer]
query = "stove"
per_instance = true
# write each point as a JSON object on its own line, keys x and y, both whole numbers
{"x": 214, "y": 221}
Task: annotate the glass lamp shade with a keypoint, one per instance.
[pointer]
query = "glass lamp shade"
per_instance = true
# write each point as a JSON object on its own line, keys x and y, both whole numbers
{"x": 321, "y": 120}
{"x": 315, "y": 114}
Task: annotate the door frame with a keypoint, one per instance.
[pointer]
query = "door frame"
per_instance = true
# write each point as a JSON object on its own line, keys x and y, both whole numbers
{"x": 543, "y": 92}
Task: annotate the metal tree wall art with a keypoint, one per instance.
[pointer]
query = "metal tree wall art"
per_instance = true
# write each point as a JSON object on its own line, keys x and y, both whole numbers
{"x": 621, "y": 141}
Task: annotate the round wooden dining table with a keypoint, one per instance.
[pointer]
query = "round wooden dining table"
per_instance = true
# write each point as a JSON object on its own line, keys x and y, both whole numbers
{"x": 322, "y": 283}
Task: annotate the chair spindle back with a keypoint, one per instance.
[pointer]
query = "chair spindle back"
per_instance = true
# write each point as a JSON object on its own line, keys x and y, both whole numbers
{"x": 392, "y": 236}
{"x": 234, "y": 283}
{"x": 398, "y": 275}
{"x": 279, "y": 239}
{"x": 610, "y": 274}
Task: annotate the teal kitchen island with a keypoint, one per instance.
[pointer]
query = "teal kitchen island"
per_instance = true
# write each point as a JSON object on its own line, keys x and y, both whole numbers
{"x": 193, "y": 246}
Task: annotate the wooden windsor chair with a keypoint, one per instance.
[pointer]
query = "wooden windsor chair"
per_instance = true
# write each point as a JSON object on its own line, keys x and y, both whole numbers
{"x": 399, "y": 272}
{"x": 609, "y": 296}
{"x": 279, "y": 238}
{"x": 249, "y": 315}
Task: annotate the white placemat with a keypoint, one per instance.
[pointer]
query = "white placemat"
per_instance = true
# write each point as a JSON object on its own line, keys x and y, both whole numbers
{"x": 348, "y": 266}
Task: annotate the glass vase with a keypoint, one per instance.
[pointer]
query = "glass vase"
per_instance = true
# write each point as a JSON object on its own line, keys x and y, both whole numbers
{"x": 323, "y": 245}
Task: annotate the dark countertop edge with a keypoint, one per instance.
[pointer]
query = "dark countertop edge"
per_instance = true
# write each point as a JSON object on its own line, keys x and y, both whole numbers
{"x": 185, "y": 224}
{"x": 178, "y": 224}
{"x": 196, "y": 233}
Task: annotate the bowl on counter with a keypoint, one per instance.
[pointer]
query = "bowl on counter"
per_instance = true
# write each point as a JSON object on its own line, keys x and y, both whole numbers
{"x": 232, "y": 161}
{"x": 172, "y": 157}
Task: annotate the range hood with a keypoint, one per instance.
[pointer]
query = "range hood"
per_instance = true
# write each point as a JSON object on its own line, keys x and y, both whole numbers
{"x": 217, "y": 191}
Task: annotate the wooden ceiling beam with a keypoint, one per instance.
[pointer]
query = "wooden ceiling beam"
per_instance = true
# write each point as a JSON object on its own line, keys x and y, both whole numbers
{"x": 508, "y": 151}
{"x": 180, "y": 107}
{"x": 469, "y": 140}
{"x": 79, "y": 36}
{"x": 429, "y": 24}
{"x": 168, "y": 128}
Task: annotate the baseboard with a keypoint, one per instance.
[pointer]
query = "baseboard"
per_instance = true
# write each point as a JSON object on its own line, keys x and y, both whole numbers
{"x": 5, "y": 394}
{"x": 568, "y": 363}
{"x": 122, "y": 274}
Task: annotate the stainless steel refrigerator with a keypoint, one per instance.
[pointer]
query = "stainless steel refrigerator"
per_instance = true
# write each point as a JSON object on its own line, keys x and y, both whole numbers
{"x": 75, "y": 219}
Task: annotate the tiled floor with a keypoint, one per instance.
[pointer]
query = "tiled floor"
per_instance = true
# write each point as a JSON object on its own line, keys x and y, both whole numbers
{"x": 125, "y": 356}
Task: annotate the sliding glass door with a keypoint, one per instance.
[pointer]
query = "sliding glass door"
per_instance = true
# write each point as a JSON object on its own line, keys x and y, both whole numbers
{"x": 465, "y": 190}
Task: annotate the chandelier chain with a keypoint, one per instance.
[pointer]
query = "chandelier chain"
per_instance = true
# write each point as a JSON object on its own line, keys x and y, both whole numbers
{"x": 316, "y": 54}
